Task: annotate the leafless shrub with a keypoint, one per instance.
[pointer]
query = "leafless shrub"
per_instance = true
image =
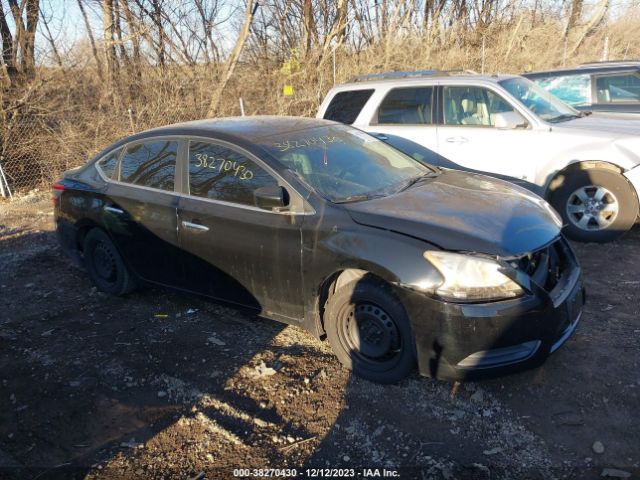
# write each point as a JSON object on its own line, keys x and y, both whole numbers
{"x": 158, "y": 62}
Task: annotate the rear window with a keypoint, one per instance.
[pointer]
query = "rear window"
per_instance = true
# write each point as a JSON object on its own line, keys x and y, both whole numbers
{"x": 107, "y": 165}
{"x": 346, "y": 106}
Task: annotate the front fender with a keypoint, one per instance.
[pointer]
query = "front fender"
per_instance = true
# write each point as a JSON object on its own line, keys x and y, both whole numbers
{"x": 396, "y": 258}
{"x": 633, "y": 176}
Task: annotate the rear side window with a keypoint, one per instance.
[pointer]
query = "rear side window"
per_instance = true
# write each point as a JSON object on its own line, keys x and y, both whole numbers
{"x": 407, "y": 106}
{"x": 618, "y": 88}
{"x": 346, "y": 106}
{"x": 219, "y": 173}
{"x": 572, "y": 89}
{"x": 107, "y": 165}
{"x": 150, "y": 164}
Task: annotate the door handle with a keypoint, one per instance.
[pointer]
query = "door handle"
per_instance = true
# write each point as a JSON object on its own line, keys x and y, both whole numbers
{"x": 195, "y": 226}
{"x": 457, "y": 140}
{"x": 109, "y": 208}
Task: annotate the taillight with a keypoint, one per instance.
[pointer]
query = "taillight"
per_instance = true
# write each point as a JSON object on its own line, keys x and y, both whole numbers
{"x": 57, "y": 187}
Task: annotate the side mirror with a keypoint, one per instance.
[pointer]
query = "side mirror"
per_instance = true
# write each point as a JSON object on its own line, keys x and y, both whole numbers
{"x": 509, "y": 120}
{"x": 270, "y": 197}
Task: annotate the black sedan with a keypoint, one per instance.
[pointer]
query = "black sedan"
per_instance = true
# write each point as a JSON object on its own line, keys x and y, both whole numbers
{"x": 320, "y": 225}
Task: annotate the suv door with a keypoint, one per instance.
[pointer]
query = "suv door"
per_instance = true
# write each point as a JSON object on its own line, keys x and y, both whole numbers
{"x": 141, "y": 206}
{"x": 233, "y": 250}
{"x": 468, "y": 136}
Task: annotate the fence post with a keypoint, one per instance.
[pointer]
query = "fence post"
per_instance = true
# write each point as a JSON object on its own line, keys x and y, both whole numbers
{"x": 334, "y": 64}
{"x": 4, "y": 182}
{"x": 605, "y": 50}
{"x": 133, "y": 127}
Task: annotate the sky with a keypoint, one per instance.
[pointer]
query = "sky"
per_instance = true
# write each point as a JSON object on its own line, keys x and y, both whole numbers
{"x": 67, "y": 25}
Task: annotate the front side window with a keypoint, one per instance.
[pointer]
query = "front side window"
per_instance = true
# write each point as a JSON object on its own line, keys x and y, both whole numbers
{"x": 618, "y": 88}
{"x": 539, "y": 101}
{"x": 407, "y": 106}
{"x": 346, "y": 106}
{"x": 474, "y": 106}
{"x": 344, "y": 164}
{"x": 219, "y": 173}
{"x": 107, "y": 165}
{"x": 572, "y": 89}
{"x": 150, "y": 164}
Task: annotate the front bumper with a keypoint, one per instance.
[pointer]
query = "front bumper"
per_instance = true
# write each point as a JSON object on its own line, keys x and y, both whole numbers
{"x": 470, "y": 341}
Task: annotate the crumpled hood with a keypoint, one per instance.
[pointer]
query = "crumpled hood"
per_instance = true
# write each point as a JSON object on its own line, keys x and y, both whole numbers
{"x": 464, "y": 212}
{"x": 603, "y": 123}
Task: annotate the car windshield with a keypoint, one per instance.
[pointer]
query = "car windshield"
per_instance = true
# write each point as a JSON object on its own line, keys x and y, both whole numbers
{"x": 539, "y": 101}
{"x": 344, "y": 164}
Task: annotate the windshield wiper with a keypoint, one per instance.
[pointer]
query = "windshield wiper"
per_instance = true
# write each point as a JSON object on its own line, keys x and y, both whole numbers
{"x": 563, "y": 118}
{"x": 359, "y": 198}
{"x": 417, "y": 179}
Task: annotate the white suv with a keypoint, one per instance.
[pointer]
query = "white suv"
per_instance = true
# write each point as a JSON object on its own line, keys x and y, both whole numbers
{"x": 585, "y": 165}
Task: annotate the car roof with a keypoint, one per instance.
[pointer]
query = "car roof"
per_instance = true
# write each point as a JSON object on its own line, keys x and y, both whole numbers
{"x": 245, "y": 128}
{"x": 587, "y": 69}
{"x": 379, "y": 80}
{"x": 244, "y": 132}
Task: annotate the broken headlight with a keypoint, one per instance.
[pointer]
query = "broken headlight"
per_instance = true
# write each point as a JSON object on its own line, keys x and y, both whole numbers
{"x": 471, "y": 279}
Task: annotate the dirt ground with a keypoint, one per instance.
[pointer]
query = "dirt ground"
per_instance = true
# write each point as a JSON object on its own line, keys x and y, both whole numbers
{"x": 163, "y": 385}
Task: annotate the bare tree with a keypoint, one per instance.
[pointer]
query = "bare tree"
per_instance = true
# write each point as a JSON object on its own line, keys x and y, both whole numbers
{"x": 92, "y": 40}
{"x": 19, "y": 47}
{"x": 51, "y": 40}
{"x": 575, "y": 12}
{"x": 8, "y": 49}
{"x": 232, "y": 61}
{"x": 108, "y": 32}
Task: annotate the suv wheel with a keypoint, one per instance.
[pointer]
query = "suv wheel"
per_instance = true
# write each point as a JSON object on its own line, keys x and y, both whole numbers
{"x": 369, "y": 331}
{"x": 595, "y": 205}
{"x": 104, "y": 264}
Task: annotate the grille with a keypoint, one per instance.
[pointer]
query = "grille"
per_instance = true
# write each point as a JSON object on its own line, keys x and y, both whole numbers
{"x": 546, "y": 266}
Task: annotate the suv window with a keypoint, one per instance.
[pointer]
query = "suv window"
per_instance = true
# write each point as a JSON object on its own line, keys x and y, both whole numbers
{"x": 473, "y": 106}
{"x": 618, "y": 88}
{"x": 572, "y": 89}
{"x": 107, "y": 165}
{"x": 346, "y": 106}
{"x": 407, "y": 106}
{"x": 150, "y": 164}
{"x": 220, "y": 173}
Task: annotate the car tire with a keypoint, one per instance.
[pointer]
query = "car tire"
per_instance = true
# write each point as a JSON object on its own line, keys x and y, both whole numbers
{"x": 601, "y": 220}
{"x": 105, "y": 265}
{"x": 369, "y": 307}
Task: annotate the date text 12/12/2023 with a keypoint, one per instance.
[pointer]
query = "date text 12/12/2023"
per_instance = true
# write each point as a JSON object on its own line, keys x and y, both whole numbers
{"x": 315, "y": 473}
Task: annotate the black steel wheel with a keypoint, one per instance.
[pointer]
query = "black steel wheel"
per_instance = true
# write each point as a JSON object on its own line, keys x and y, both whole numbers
{"x": 104, "y": 264}
{"x": 369, "y": 331}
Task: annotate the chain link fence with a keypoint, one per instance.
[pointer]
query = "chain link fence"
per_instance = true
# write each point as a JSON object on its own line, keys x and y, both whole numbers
{"x": 37, "y": 148}
{"x": 60, "y": 122}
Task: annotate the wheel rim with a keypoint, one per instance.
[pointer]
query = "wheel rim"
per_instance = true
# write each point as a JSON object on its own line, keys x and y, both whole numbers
{"x": 592, "y": 208}
{"x": 104, "y": 262}
{"x": 370, "y": 334}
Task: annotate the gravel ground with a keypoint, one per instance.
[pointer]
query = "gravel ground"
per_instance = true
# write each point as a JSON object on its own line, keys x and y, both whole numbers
{"x": 165, "y": 385}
